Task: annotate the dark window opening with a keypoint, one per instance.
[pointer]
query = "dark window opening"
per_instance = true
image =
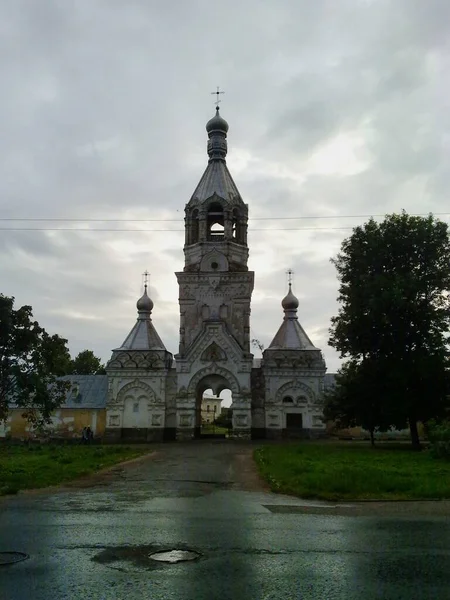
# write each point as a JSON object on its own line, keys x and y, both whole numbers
{"x": 194, "y": 227}
{"x": 294, "y": 421}
{"x": 214, "y": 266}
{"x": 288, "y": 400}
{"x": 215, "y": 222}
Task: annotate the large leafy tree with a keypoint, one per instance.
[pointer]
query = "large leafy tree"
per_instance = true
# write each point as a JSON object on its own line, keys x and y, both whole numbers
{"x": 86, "y": 363}
{"x": 30, "y": 362}
{"x": 394, "y": 294}
{"x": 359, "y": 397}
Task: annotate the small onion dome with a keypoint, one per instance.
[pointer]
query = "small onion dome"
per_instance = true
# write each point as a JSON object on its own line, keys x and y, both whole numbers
{"x": 290, "y": 302}
{"x": 217, "y": 123}
{"x": 144, "y": 304}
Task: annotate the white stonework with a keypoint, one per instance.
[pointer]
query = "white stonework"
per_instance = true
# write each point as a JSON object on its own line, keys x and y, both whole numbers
{"x": 152, "y": 397}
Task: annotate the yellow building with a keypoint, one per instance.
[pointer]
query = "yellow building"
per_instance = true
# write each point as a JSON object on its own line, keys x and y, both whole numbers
{"x": 84, "y": 406}
{"x": 211, "y": 408}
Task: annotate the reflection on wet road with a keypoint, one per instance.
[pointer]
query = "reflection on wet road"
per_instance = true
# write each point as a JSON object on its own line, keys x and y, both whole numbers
{"x": 97, "y": 542}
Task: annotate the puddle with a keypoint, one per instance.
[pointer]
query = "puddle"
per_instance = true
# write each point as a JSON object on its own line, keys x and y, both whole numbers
{"x": 9, "y": 558}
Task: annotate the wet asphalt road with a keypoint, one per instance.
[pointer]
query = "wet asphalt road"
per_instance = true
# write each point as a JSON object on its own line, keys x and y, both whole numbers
{"x": 93, "y": 542}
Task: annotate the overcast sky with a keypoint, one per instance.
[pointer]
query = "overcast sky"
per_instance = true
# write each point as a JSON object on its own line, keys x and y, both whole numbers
{"x": 337, "y": 108}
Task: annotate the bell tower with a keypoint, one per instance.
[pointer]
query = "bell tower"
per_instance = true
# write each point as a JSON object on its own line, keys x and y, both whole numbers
{"x": 215, "y": 289}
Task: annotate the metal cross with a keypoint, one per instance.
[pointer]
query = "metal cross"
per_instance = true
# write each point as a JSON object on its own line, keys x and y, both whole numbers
{"x": 217, "y": 96}
{"x": 290, "y": 273}
{"x": 145, "y": 275}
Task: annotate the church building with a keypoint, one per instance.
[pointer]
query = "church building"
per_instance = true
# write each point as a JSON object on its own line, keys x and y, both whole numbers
{"x": 154, "y": 395}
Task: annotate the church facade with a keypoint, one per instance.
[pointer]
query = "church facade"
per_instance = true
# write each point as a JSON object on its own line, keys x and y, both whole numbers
{"x": 154, "y": 395}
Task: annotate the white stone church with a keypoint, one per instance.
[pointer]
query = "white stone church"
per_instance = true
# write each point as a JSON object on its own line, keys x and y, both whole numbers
{"x": 153, "y": 395}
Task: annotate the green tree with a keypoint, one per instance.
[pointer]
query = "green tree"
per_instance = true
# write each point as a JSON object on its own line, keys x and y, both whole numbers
{"x": 394, "y": 282}
{"x": 359, "y": 397}
{"x": 86, "y": 363}
{"x": 30, "y": 362}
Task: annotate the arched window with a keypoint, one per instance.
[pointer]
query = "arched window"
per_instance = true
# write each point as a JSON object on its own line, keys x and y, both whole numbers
{"x": 288, "y": 400}
{"x": 215, "y": 222}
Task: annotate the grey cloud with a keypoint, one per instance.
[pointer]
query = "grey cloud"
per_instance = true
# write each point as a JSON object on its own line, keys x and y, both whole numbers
{"x": 102, "y": 116}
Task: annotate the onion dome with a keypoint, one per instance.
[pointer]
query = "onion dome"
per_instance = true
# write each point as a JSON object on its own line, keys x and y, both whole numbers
{"x": 290, "y": 302}
{"x": 217, "y": 123}
{"x": 144, "y": 304}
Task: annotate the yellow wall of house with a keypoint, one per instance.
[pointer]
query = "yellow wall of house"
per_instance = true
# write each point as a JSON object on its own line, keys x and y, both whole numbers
{"x": 66, "y": 422}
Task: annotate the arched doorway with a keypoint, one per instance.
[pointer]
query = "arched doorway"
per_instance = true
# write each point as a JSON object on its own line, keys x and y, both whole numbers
{"x": 211, "y": 393}
{"x": 216, "y": 413}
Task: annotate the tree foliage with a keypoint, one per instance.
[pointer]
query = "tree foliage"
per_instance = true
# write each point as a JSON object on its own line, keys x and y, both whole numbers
{"x": 30, "y": 362}
{"x": 86, "y": 363}
{"x": 394, "y": 315}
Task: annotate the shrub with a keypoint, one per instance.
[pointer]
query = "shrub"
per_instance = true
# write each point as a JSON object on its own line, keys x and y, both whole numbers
{"x": 438, "y": 434}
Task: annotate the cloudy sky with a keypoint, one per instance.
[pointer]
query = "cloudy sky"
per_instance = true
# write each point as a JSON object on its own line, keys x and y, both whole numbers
{"x": 338, "y": 109}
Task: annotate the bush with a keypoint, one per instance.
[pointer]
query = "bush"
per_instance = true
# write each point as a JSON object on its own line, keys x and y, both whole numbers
{"x": 438, "y": 434}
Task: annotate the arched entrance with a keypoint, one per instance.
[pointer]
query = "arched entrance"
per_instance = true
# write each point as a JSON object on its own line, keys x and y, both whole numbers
{"x": 216, "y": 383}
{"x": 215, "y": 414}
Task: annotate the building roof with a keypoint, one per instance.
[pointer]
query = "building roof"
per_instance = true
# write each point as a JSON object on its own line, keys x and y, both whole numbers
{"x": 291, "y": 335}
{"x": 143, "y": 335}
{"x": 86, "y": 391}
{"x": 217, "y": 180}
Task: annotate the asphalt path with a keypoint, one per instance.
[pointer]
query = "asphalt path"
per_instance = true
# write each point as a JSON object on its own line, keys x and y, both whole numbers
{"x": 93, "y": 540}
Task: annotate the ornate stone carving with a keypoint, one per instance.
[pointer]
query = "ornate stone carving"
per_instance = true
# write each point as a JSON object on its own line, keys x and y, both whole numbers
{"x": 213, "y": 370}
{"x": 294, "y": 388}
{"x": 213, "y": 353}
{"x": 136, "y": 385}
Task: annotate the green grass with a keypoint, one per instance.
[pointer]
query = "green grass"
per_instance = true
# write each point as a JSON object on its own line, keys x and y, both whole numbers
{"x": 38, "y": 466}
{"x": 331, "y": 471}
{"x": 211, "y": 429}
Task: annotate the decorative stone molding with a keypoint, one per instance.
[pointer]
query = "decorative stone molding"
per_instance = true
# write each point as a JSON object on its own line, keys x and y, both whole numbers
{"x": 214, "y": 370}
{"x": 296, "y": 389}
{"x": 213, "y": 353}
{"x": 136, "y": 385}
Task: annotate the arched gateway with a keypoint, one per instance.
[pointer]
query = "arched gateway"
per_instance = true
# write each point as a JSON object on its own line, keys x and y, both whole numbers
{"x": 215, "y": 290}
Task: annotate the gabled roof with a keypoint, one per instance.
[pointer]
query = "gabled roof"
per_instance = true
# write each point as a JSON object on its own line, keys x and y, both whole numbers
{"x": 86, "y": 391}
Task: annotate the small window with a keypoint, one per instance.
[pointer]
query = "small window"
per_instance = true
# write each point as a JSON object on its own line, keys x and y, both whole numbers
{"x": 207, "y": 408}
{"x": 288, "y": 400}
{"x": 214, "y": 266}
{"x": 136, "y": 407}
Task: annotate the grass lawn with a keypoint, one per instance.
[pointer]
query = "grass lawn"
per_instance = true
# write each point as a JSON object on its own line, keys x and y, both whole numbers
{"x": 216, "y": 429}
{"x": 353, "y": 471}
{"x": 37, "y": 466}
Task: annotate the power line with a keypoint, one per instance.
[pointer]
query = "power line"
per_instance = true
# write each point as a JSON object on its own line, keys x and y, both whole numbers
{"x": 162, "y": 230}
{"x": 89, "y": 220}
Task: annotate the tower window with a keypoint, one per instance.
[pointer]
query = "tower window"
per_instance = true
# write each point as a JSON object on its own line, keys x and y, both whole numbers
{"x": 194, "y": 227}
{"x": 215, "y": 222}
{"x": 214, "y": 266}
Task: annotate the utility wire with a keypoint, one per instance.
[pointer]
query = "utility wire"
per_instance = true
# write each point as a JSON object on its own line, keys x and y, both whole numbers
{"x": 162, "y": 230}
{"x": 88, "y": 220}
